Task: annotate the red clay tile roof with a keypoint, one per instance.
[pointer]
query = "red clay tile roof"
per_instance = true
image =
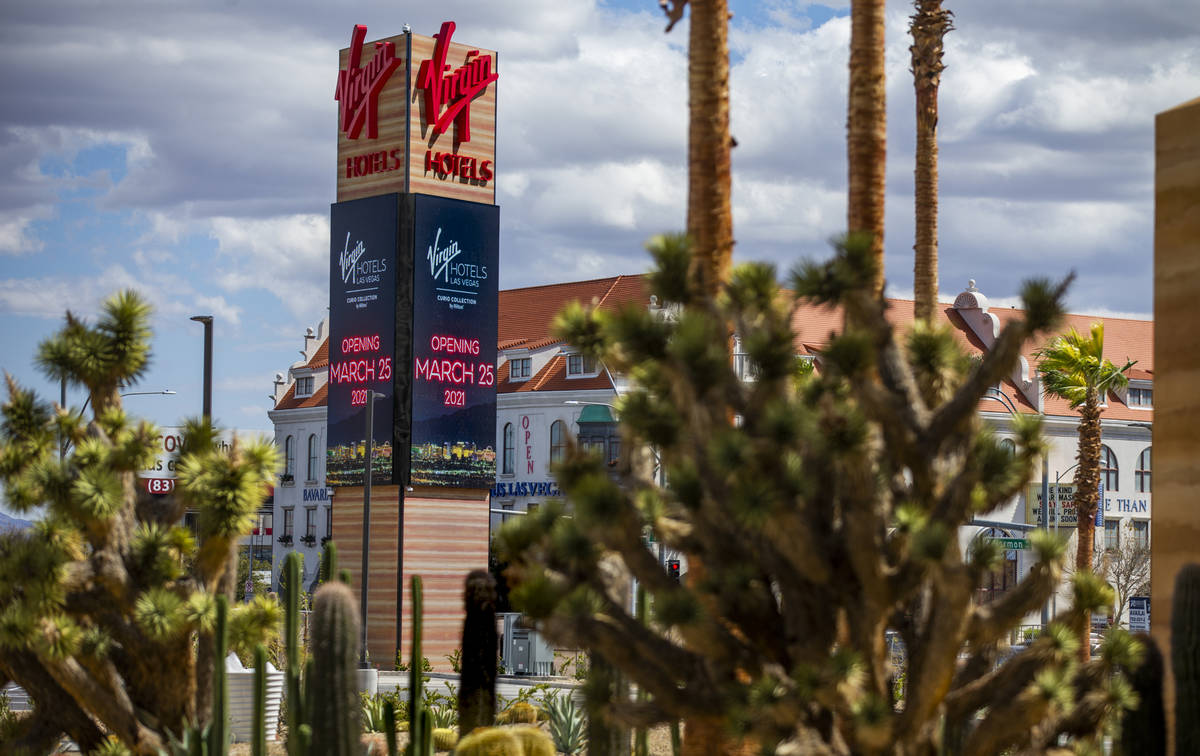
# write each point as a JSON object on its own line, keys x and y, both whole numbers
{"x": 1123, "y": 339}
{"x": 321, "y": 358}
{"x": 552, "y": 377}
{"x": 526, "y": 315}
{"x": 289, "y": 401}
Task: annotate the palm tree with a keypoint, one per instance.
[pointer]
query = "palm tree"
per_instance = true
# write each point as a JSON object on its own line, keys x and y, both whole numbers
{"x": 928, "y": 26}
{"x": 866, "y": 127}
{"x": 709, "y": 213}
{"x": 1074, "y": 368}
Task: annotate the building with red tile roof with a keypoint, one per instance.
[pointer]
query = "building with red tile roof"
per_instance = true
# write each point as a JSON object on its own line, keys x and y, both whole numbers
{"x": 546, "y": 391}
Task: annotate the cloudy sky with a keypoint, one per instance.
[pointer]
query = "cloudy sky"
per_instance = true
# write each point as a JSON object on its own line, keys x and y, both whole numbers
{"x": 187, "y": 149}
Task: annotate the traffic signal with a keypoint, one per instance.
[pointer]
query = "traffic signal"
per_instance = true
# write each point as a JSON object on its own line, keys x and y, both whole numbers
{"x": 673, "y": 569}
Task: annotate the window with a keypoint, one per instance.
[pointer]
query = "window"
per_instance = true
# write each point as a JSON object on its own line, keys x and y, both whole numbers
{"x": 506, "y": 507}
{"x": 558, "y": 441}
{"x": 310, "y": 522}
{"x": 1109, "y": 474}
{"x": 287, "y": 522}
{"x": 312, "y": 457}
{"x": 742, "y": 366}
{"x": 1141, "y": 534}
{"x": 304, "y": 386}
{"x": 594, "y": 446}
{"x": 329, "y": 522}
{"x": 519, "y": 370}
{"x": 509, "y": 449}
{"x": 1141, "y": 476}
{"x": 578, "y": 364}
{"x": 1009, "y": 447}
{"x": 1112, "y": 535}
{"x": 614, "y": 450}
{"x": 289, "y": 454}
{"x": 1140, "y": 397}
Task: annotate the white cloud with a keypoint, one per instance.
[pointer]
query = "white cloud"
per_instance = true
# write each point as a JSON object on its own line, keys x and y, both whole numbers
{"x": 16, "y": 236}
{"x": 287, "y": 256}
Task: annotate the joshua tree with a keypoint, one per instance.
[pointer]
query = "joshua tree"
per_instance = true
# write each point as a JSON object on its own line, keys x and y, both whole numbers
{"x": 1074, "y": 368}
{"x": 824, "y": 509}
{"x": 928, "y": 26}
{"x": 106, "y": 603}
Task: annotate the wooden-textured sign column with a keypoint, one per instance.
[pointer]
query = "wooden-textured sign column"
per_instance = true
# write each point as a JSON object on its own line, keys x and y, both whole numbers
{"x": 1177, "y": 367}
{"x": 417, "y": 116}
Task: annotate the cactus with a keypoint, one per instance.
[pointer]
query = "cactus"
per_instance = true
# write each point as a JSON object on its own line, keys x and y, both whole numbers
{"x": 1144, "y": 728}
{"x": 416, "y": 745}
{"x": 477, "y": 691}
{"x": 258, "y": 743}
{"x": 490, "y": 741}
{"x": 641, "y": 739}
{"x": 444, "y": 739}
{"x": 329, "y": 563}
{"x": 534, "y": 741}
{"x": 425, "y": 744}
{"x": 218, "y": 736}
{"x": 521, "y": 712}
{"x": 297, "y": 739}
{"x": 1185, "y": 658}
{"x": 335, "y": 723}
{"x": 605, "y": 737}
{"x": 389, "y": 726}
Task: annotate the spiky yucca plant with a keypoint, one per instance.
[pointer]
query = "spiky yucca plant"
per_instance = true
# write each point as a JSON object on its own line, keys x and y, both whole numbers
{"x": 107, "y": 599}
{"x": 825, "y": 509}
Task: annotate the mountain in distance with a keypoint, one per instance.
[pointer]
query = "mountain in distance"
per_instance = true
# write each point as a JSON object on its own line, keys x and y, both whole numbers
{"x": 8, "y": 523}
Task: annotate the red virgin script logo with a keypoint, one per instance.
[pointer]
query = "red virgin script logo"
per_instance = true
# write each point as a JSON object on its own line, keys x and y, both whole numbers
{"x": 455, "y": 89}
{"x": 358, "y": 88}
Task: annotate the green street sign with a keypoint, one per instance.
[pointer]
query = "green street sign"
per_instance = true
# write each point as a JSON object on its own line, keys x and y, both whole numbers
{"x": 1011, "y": 543}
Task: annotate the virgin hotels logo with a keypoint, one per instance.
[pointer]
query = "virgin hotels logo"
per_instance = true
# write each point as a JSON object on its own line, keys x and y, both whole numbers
{"x": 358, "y": 88}
{"x": 448, "y": 94}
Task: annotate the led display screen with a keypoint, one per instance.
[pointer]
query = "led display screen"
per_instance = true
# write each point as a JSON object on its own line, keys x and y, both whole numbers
{"x": 455, "y": 255}
{"x": 364, "y": 239}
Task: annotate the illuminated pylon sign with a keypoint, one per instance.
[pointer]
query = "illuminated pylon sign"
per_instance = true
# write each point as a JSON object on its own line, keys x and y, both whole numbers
{"x": 455, "y": 89}
{"x": 358, "y": 88}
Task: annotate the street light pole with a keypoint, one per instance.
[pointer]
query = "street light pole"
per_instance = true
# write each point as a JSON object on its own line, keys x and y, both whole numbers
{"x": 207, "y": 320}
{"x": 65, "y": 445}
{"x": 366, "y": 540}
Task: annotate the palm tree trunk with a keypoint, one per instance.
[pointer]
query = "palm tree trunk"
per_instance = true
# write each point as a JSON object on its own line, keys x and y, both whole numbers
{"x": 709, "y": 227}
{"x": 867, "y": 127}
{"x": 709, "y": 217}
{"x": 1087, "y": 495}
{"x": 929, "y": 25}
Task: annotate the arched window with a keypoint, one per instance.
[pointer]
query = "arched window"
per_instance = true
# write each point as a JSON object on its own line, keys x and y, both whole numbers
{"x": 509, "y": 449}
{"x": 1141, "y": 476}
{"x": 289, "y": 455}
{"x": 558, "y": 441}
{"x": 1108, "y": 470}
{"x": 312, "y": 457}
{"x": 1009, "y": 446}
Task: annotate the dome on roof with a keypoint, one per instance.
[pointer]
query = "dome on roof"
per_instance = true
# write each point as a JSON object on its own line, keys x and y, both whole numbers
{"x": 971, "y": 299}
